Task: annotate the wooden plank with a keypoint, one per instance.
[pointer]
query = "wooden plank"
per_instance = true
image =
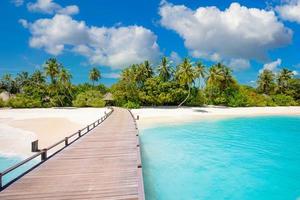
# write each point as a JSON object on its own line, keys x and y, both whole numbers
{"x": 100, "y": 165}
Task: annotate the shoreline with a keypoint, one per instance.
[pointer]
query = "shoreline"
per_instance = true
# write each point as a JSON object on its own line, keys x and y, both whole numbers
{"x": 151, "y": 117}
{"x": 19, "y": 127}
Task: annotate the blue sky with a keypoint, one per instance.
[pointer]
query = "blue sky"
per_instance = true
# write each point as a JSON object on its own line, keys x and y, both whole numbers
{"x": 246, "y": 35}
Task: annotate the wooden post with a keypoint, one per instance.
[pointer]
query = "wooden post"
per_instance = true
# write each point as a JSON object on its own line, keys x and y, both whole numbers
{"x": 79, "y": 133}
{"x": 137, "y": 117}
{"x": 1, "y": 185}
{"x": 44, "y": 155}
{"x": 35, "y": 146}
{"x": 66, "y": 141}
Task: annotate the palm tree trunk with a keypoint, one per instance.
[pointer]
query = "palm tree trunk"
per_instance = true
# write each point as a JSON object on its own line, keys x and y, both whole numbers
{"x": 186, "y": 97}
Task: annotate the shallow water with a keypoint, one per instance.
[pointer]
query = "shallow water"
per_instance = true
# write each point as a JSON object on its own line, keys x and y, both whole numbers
{"x": 240, "y": 158}
{"x": 8, "y": 161}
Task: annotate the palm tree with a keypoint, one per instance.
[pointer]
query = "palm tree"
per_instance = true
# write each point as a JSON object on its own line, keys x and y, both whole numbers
{"x": 200, "y": 72}
{"x": 266, "y": 81}
{"x": 142, "y": 72}
{"x": 52, "y": 69}
{"x": 22, "y": 78}
{"x": 8, "y": 84}
{"x": 65, "y": 84}
{"x": 148, "y": 72}
{"x": 214, "y": 75}
{"x": 64, "y": 77}
{"x": 164, "y": 70}
{"x": 283, "y": 78}
{"x": 227, "y": 78}
{"x": 37, "y": 77}
{"x": 94, "y": 75}
{"x": 186, "y": 76}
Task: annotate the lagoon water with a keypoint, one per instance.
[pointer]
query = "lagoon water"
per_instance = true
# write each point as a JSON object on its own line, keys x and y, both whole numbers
{"x": 8, "y": 161}
{"x": 239, "y": 158}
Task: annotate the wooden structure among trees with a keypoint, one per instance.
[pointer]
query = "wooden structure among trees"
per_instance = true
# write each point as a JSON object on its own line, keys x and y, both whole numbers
{"x": 103, "y": 164}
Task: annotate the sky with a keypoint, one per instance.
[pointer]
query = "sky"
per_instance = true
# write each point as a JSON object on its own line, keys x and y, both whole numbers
{"x": 246, "y": 35}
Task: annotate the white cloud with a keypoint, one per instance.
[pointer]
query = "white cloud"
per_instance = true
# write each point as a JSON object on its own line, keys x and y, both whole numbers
{"x": 239, "y": 64}
{"x": 235, "y": 33}
{"x": 290, "y": 11}
{"x": 111, "y": 75}
{"x": 18, "y": 3}
{"x": 116, "y": 47}
{"x": 50, "y": 7}
{"x": 272, "y": 66}
{"x": 175, "y": 58}
{"x": 23, "y": 22}
{"x": 295, "y": 73}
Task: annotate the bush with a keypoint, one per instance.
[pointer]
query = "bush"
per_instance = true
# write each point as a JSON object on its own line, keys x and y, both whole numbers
{"x": 131, "y": 105}
{"x": 198, "y": 99}
{"x": 2, "y": 103}
{"x": 284, "y": 100}
{"x": 238, "y": 100}
{"x": 90, "y": 98}
{"x": 23, "y": 101}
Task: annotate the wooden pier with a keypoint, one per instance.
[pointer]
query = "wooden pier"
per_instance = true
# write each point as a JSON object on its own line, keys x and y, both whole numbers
{"x": 103, "y": 164}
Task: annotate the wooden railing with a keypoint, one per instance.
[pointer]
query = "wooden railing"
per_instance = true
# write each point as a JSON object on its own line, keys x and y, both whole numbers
{"x": 44, "y": 152}
{"x": 141, "y": 190}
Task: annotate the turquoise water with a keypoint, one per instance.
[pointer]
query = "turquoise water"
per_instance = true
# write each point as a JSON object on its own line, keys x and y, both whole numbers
{"x": 242, "y": 158}
{"x": 6, "y": 162}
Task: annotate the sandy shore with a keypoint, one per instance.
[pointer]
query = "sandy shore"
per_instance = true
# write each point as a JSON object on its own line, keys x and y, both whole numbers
{"x": 19, "y": 127}
{"x": 150, "y": 117}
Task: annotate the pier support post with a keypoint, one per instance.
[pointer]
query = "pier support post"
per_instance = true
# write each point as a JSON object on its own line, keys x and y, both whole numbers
{"x": 1, "y": 181}
{"x": 35, "y": 146}
{"x": 66, "y": 141}
{"x": 44, "y": 155}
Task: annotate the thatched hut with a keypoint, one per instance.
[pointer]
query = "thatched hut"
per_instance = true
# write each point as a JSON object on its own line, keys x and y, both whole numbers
{"x": 108, "y": 98}
{"x": 5, "y": 96}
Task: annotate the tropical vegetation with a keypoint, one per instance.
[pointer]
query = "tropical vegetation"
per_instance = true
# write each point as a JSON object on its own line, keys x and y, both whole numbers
{"x": 184, "y": 84}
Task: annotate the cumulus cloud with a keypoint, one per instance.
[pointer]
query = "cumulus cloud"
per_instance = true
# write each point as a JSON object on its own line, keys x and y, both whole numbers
{"x": 295, "y": 73}
{"x": 239, "y": 64}
{"x": 116, "y": 47}
{"x": 111, "y": 75}
{"x": 23, "y": 22}
{"x": 272, "y": 66}
{"x": 50, "y": 7}
{"x": 238, "y": 32}
{"x": 290, "y": 11}
{"x": 18, "y": 3}
{"x": 175, "y": 58}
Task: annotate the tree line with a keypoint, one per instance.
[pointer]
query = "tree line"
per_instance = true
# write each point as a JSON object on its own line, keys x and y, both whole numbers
{"x": 194, "y": 84}
{"x": 188, "y": 83}
{"x": 51, "y": 87}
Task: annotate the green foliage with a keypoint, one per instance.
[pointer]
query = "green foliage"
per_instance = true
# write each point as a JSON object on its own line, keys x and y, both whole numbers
{"x": 86, "y": 86}
{"x": 143, "y": 85}
{"x": 266, "y": 84}
{"x": 24, "y": 101}
{"x": 2, "y": 103}
{"x": 90, "y": 98}
{"x": 131, "y": 105}
{"x": 197, "y": 99}
{"x": 94, "y": 75}
{"x": 283, "y": 100}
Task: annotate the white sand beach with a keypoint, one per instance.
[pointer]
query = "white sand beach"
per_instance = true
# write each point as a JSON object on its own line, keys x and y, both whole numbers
{"x": 149, "y": 117}
{"x": 19, "y": 127}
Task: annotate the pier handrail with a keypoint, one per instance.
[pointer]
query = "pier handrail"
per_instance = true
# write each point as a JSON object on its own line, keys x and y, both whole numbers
{"x": 141, "y": 191}
{"x": 43, "y": 152}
